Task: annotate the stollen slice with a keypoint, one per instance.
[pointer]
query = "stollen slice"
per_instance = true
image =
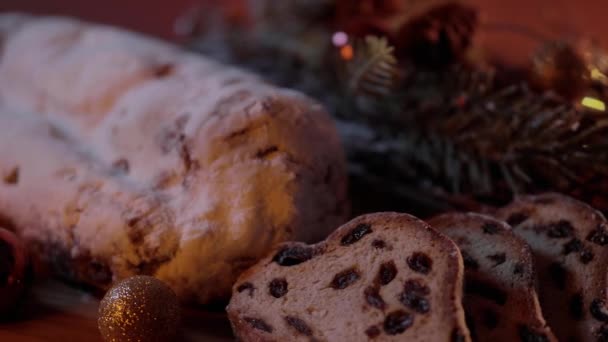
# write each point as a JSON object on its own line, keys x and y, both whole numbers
{"x": 568, "y": 239}
{"x": 380, "y": 277}
{"x": 500, "y": 299}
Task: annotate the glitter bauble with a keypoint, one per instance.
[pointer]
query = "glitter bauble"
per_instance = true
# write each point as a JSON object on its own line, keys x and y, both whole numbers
{"x": 140, "y": 308}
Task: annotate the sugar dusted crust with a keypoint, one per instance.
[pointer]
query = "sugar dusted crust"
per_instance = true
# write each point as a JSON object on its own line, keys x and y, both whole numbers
{"x": 135, "y": 157}
{"x": 375, "y": 268}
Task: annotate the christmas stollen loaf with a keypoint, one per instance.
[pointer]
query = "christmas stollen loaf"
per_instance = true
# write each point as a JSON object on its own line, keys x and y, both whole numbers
{"x": 139, "y": 158}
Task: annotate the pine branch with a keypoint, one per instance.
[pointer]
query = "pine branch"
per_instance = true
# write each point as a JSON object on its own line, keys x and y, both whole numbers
{"x": 374, "y": 69}
{"x": 451, "y": 131}
{"x": 501, "y": 141}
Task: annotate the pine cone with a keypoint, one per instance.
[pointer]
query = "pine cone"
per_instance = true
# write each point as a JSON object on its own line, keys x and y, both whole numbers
{"x": 439, "y": 37}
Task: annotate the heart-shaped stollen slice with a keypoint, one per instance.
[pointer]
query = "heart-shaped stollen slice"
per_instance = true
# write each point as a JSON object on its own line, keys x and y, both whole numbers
{"x": 381, "y": 277}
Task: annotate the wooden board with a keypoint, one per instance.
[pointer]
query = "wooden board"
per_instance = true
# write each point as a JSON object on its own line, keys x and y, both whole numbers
{"x": 56, "y": 312}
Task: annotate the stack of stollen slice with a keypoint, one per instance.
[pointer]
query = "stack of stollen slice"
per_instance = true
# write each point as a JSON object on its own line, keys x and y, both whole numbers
{"x": 536, "y": 271}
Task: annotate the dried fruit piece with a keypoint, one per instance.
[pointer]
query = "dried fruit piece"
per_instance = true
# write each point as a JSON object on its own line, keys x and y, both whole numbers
{"x": 259, "y": 324}
{"x": 558, "y": 274}
{"x": 164, "y": 70}
{"x": 372, "y": 332}
{"x": 472, "y": 325}
{"x": 278, "y": 287}
{"x": 560, "y": 229}
{"x": 519, "y": 268}
{"x": 576, "y": 306}
{"x": 528, "y": 335}
{"x": 417, "y": 286}
{"x": 397, "y": 322}
{"x": 498, "y": 258}
{"x": 388, "y": 272}
{"x": 420, "y": 262}
{"x": 486, "y": 290}
{"x": 373, "y": 298}
{"x": 598, "y": 310}
{"x": 599, "y": 236}
{"x": 490, "y": 228}
{"x": 299, "y": 325}
{"x": 7, "y": 261}
{"x": 264, "y": 153}
{"x": 414, "y": 296}
{"x": 457, "y": 336}
{"x": 293, "y": 255}
{"x": 345, "y": 278}
{"x": 12, "y": 177}
{"x": 247, "y": 286}
{"x": 415, "y": 302}
{"x": 574, "y": 245}
{"x": 469, "y": 262}
{"x": 586, "y": 256}
{"x": 517, "y": 218}
{"x": 356, "y": 234}
{"x": 602, "y": 333}
{"x": 490, "y": 319}
{"x": 379, "y": 244}
{"x": 121, "y": 166}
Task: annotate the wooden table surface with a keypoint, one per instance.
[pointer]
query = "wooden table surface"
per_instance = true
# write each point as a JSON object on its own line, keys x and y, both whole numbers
{"x": 56, "y": 312}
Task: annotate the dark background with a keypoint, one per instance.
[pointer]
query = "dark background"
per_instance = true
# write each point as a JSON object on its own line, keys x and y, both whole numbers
{"x": 150, "y": 16}
{"x": 550, "y": 18}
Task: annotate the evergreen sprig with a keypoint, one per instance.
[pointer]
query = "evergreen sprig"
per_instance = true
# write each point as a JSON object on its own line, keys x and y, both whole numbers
{"x": 374, "y": 70}
{"x": 474, "y": 137}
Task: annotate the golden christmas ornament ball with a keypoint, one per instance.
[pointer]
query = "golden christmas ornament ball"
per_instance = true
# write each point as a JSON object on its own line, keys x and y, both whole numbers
{"x": 139, "y": 308}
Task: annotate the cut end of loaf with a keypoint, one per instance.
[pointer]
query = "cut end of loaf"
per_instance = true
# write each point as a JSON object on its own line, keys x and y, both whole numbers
{"x": 381, "y": 277}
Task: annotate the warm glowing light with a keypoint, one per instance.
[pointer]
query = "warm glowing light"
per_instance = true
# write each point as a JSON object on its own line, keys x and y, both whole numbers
{"x": 597, "y": 75}
{"x": 593, "y": 103}
{"x": 347, "y": 52}
{"x": 339, "y": 39}
{"x": 461, "y": 101}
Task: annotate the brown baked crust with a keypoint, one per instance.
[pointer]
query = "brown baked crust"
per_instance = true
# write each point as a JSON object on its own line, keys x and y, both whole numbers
{"x": 335, "y": 254}
{"x": 568, "y": 239}
{"x": 503, "y": 263}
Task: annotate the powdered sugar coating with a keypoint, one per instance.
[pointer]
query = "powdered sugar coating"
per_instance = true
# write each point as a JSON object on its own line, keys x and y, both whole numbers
{"x": 178, "y": 166}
